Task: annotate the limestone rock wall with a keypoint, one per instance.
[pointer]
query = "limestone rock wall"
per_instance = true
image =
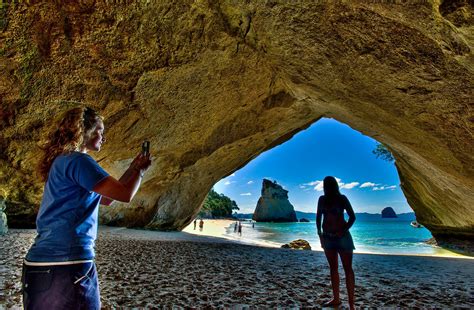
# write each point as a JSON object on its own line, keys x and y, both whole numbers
{"x": 273, "y": 205}
{"x": 212, "y": 84}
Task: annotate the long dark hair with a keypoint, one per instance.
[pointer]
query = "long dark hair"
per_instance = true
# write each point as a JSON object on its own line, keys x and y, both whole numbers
{"x": 68, "y": 135}
{"x": 331, "y": 188}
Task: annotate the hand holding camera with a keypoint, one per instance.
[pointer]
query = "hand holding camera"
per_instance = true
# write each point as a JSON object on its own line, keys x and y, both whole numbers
{"x": 142, "y": 161}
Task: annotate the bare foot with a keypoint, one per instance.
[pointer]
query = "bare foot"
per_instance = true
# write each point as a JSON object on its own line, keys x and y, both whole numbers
{"x": 333, "y": 303}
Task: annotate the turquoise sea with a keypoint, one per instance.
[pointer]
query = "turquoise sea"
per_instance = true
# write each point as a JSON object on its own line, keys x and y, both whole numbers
{"x": 384, "y": 236}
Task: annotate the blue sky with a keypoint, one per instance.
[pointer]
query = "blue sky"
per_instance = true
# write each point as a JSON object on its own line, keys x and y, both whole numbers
{"x": 328, "y": 147}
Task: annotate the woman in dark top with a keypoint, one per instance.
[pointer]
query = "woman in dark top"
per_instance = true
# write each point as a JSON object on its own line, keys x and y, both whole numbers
{"x": 335, "y": 237}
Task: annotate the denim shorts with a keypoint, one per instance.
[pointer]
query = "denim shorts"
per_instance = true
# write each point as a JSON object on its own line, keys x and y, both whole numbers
{"x": 73, "y": 286}
{"x": 331, "y": 242}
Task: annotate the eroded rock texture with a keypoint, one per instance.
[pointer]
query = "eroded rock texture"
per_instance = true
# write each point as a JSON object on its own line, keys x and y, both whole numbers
{"x": 273, "y": 205}
{"x": 212, "y": 84}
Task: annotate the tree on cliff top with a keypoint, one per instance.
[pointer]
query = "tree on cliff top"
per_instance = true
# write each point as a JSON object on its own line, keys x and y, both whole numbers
{"x": 383, "y": 153}
{"x": 217, "y": 205}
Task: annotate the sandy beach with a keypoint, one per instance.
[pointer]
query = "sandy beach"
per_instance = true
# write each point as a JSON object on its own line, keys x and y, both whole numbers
{"x": 139, "y": 268}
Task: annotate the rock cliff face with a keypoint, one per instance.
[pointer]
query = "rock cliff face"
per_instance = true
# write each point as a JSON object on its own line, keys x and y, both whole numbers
{"x": 273, "y": 205}
{"x": 212, "y": 84}
{"x": 388, "y": 212}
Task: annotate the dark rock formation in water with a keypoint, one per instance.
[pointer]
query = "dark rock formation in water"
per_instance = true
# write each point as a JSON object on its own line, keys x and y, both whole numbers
{"x": 304, "y": 220}
{"x": 388, "y": 212}
{"x": 273, "y": 205}
{"x": 212, "y": 84}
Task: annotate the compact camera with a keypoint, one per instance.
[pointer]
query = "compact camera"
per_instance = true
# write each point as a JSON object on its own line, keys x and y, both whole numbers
{"x": 146, "y": 147}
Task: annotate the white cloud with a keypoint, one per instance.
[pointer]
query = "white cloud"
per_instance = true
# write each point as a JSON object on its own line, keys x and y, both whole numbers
{"x": 368, "y": 184}
{"x": 232, "y": 175}
{"x": 229, "y": 182}
{"x": 383, "y": 188}
{"x": 319, "y": 185}
{"x": 349, "y": 185}
{"x": 246, "y": 194}
{"x": 305, "y": 188}
{"x": 250, "y": 182}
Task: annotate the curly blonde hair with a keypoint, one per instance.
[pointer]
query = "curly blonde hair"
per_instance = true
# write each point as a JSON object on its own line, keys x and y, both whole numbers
{"x": 68, "y": 135}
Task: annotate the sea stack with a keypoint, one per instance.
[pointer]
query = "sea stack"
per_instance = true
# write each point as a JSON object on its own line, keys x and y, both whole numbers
{"x": 273, "y": 205}
{"x": 388, "y": 212}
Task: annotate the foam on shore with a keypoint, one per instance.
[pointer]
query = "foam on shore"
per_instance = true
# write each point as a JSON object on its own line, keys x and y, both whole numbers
{"x": 223, "y": 228}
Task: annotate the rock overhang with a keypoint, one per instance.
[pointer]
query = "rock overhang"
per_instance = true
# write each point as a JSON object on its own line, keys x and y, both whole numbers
{"x": 214, "y": 84}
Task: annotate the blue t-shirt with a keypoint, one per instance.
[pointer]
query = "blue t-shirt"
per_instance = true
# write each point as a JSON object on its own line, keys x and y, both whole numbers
{"x": 67, "y": 219}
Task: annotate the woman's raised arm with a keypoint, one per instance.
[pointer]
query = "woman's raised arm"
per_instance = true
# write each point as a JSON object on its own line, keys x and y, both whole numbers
{"x": 127, "y": 186}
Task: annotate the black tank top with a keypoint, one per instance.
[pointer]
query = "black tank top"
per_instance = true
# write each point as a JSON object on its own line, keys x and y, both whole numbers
{"x": 333, "y": 206}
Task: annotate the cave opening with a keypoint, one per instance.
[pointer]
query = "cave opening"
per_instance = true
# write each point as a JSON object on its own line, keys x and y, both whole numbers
{"x": 366, "y": 174}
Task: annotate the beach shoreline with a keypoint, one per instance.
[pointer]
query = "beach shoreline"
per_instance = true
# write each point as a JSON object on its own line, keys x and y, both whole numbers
{"x": 139, "y": 268}
{"x": 217, "y": 228}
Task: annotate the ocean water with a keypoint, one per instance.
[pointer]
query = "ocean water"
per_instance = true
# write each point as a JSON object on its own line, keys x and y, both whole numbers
{"x": 384, "y": 236}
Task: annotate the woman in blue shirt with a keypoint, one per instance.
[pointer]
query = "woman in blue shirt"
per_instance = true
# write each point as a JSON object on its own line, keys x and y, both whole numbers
{"x": 335, "y": 237}
{"x": 59, "y": 271}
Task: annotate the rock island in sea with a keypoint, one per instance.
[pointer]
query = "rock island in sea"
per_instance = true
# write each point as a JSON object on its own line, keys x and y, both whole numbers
{"x": 273, "y": 205}
{"x": 388, "y": 212}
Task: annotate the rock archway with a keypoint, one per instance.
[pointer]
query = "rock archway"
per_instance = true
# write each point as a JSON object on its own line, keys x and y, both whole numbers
{"x": 214, "y": 83}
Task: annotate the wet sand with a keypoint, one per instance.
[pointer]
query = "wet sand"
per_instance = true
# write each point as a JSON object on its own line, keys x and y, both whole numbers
{"x": 140, "y": 268}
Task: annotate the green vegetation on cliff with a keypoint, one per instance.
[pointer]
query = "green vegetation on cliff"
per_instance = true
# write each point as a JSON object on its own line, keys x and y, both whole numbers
{"x": 217, "y": 205}
{"x": 383, "y": 153}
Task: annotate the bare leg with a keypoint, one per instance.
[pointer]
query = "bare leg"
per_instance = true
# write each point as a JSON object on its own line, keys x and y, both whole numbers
{"x": 346, "y": 258}
{"x": 332, "y": 258}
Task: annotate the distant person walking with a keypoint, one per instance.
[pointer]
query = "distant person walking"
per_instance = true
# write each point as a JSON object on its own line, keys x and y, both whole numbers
{"x": 335, "y": 237}
{"x": 240, "y": 229}
{"x": 195, "y": 221}
{"x": 201, "y": 225}
{"x": 236, "y": 226}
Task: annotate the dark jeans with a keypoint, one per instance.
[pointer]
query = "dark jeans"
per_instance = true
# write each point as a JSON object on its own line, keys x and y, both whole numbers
{"x": 60, "y": 287}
